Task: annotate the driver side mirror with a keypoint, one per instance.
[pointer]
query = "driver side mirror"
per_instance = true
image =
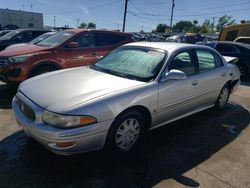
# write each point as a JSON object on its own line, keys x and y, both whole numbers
{"x": 73, "y": 45}
{"x": 174, "y": 75}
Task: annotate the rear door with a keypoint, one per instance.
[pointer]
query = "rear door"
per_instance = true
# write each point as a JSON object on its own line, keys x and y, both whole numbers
{"x": 211, "y": 78}
{"x": 106, "y": 42}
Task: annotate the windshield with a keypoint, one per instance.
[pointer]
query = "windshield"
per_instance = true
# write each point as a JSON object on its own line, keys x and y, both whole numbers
{"x": 56, "y": 39}
{"x": 41, "y": 37}
{"x": 10, "y": 35}
{"x": 140, "y": 64}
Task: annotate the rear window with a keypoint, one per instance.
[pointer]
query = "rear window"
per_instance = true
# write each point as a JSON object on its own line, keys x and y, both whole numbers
{"x": 244, "y": 40}
{"x": 226, "y": 48}
{"x": 231, "y": 35}
{"x": 108, "y": 39}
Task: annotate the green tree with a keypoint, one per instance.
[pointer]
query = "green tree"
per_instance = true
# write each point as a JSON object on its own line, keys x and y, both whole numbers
{"x": 91, "y": 25}
{"x": 206, "y": 27}
{"x": 183, "y": 26}
{"x": 83, "y": 25}
{"x": 161, "y": 28}
{"x": 224, "y": 21}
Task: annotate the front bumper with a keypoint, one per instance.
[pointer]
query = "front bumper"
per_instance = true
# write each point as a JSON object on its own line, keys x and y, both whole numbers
{"x": 87, "y": 138}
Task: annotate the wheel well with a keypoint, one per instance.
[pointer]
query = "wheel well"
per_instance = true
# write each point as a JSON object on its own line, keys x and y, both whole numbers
{"x": 230, "y": 83}
{"x": 143, "y": 111}
{"x": 51, "y": 64}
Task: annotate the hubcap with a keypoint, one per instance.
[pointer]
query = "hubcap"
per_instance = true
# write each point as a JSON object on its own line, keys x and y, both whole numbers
{"x": 127, "y": 133}
{"x": 223, "y": 97}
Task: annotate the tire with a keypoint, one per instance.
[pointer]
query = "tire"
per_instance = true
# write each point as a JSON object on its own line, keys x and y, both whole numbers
{"x": 43, "y": 69}
{"x": 243, "y": 70}
{"x": 121, "y": 140}
{"x": 223, "y": 97}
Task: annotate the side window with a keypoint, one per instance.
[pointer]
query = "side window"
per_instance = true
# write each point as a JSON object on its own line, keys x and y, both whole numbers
{"x": 231, "y": 35}
{"x": 107, "y": 39}
{"x": 183, "y": 62}
{"x": 218, "y": 60}
{"x": 85, "y": 40}
{"x": 225, "y": 48}
{"x": 28, "y": 36}
{"x": 37, "y": 33}
{"x": 206, "y": 60}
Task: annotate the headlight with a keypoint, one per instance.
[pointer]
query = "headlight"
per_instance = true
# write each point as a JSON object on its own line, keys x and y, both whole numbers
{"x": 67, "y": 121}
{"x": 19, "y": 59}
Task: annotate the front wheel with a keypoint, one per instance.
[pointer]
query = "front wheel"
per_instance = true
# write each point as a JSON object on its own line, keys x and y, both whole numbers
{"x": 223, "y": 98}
{"x": 42, "y": 70}
{"x": 125, "y": 132}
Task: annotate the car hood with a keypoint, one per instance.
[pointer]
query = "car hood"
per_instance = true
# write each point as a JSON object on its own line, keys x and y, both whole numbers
{"x": 59, "y": 91}
{"x": 23, "y": 49}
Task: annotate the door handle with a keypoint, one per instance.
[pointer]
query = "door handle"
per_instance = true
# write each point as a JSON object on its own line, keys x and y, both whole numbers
{"x": 195, "y": 82}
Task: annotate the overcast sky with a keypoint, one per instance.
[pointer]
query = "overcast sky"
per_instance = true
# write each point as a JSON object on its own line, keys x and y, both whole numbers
{"x": 141, "y": 13}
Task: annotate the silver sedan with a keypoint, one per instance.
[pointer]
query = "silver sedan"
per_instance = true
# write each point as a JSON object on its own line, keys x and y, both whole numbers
{"x": 135, "y": 88}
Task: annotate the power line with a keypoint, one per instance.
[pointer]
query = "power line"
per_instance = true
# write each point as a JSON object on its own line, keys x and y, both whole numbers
{"x": 146, "y": 18}
{"x": 90, "y": 8}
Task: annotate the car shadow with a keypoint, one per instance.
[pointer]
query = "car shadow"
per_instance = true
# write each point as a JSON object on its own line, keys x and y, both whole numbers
{"x": 245, "y": 81}
{"x": 7, "y": 92}
{"x": 164, "y": 153}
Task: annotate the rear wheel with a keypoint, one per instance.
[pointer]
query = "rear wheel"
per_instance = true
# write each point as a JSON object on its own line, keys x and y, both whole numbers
{"x": 125, "y": 132}
{"x": 43, "y": 69}
{"x": 223, "y": 97}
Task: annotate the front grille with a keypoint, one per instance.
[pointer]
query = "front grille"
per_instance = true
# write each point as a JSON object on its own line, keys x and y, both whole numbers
{"x": 3, "y": 62}
{"x": 26, "y": 110}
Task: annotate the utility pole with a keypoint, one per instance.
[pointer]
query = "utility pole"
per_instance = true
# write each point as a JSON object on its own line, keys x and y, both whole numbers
{"x": 77, "y": 23}
{"x": 142, "y": 28}
{"x": 213, "y": 21}
{"x": 172, "y": 12}
{"x": 125, "y": 14}
{"x": 118, "y": 27}
{"x": 54, "y": 22}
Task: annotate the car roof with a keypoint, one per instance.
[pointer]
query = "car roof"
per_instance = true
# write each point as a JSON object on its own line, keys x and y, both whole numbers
{"x": 96, "y": 30}
{"x": 162, "y": 45}
{"x": 31, "y": 30}
{"x": 233, "y": 43}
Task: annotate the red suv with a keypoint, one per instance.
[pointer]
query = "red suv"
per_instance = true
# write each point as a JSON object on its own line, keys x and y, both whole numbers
{"x": 69, "y": 48}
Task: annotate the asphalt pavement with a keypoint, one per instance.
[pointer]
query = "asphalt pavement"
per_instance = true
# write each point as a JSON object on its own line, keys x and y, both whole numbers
{"x": 208, "y": 149}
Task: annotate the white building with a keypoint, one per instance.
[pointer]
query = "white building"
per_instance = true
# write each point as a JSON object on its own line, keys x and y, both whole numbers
{"x": 22, "y": 19}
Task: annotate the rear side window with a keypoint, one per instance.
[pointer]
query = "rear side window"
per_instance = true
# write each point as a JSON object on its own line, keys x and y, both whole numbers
{"x": 231, "y": 35}
{"x": 206, "y": 60}
{"x": 225, "y": 48}
{"x": 108, "y": 39}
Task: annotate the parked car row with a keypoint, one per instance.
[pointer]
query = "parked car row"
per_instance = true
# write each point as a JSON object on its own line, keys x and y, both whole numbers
{"x": 20, "y": 36}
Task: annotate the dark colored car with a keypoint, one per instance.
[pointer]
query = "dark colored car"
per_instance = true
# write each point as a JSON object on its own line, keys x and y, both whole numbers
{"x": 235, "y": 49}
{"x": 65, "y": 49}
{"x": 3, "y": 32}
{"x": 19, "y": 36}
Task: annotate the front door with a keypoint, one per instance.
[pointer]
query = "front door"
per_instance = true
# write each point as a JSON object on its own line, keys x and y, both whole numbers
{"x": 177, "y": 97}
{"x": 85, "y": 54}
